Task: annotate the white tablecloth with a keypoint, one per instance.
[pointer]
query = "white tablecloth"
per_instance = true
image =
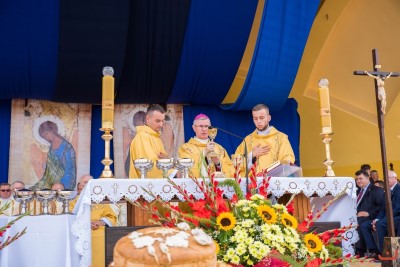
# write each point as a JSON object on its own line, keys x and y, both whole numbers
{"x": 132, "y": 189}
{"x": 48, "y": 242}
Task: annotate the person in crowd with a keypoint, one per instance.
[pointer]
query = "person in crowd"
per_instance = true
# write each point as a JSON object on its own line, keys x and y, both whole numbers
{"x": 61, "y": 159}
{"x": 55, "y": 207}
{"x": 374, "y": 175}
{"x": 367, "y": 168}
{"x": 17, "y": 185}
{"x": 266, "y": 145}
{"x": 5, "y": 198}
{"x": 379, "y": 183}
{"x": 204, "y": 152}
{"x": 57, "y": 187}
{"x": 380, "y": 223}
{"x": 147, "y": 142}
{"x": 370, "y": 200}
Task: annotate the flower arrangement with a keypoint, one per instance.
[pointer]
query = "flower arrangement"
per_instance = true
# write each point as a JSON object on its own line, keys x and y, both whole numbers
{"x": 250, "y": 230}
{"x": 3, "y": 229}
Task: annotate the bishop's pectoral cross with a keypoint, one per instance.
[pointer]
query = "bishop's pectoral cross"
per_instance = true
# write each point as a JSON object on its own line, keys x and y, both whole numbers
{"x": 380, "y": 95}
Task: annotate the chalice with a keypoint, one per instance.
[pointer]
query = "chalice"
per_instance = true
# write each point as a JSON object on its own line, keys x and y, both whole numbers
{"x": 183, "y": 165}
{"x": 65, "y": 196}
{"x": 24, "y": 196}
{"x": 143, "y": 165}
{"x": 164, "y": 165}
{"x": 44, "y": 196}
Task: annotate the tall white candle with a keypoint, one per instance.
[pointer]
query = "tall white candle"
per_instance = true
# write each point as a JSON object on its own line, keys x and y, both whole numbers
{"x": 107, "y": 114}
{"x": 324, "y": 105}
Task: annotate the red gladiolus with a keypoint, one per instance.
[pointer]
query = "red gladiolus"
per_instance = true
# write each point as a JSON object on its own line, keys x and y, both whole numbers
{"x": 302, "y": 227}
{"x": 325, "y": 237}
{"x": 314, "y": 263}
{"x": 290, "y": 207}
{"x": 234, "y": 199}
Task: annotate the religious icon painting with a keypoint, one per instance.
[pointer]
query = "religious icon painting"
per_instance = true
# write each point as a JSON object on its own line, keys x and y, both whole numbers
{"x": 128, "y": 117}
{"x": 50, "y": 143}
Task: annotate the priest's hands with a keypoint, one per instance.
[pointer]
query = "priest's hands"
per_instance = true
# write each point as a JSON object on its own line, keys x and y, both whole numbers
{"x": 162, "y": 156}
{"x": 210, "y": 147}
{"x": 260, "y": 150}
{"x": 97, "y": 224}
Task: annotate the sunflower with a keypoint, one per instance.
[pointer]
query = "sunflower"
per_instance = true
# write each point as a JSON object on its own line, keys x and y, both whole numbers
{"x": 289, "y": 220}
{"x": 267, "y": 213}
{"x": 226, "y": 221}
{"x": 313, "y": 243}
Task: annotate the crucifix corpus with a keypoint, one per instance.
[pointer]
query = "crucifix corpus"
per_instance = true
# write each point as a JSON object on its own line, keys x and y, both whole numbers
{"x": 380, "y": 96}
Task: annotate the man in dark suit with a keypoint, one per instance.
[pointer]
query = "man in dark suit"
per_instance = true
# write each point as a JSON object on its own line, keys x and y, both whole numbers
{"x": 370, "y": 200}
{"x": 380, "y": 223}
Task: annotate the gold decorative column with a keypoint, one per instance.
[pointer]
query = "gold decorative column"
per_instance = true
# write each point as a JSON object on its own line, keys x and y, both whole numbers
{"x": 326, "y": 124}
{"x": 107, "y": 119}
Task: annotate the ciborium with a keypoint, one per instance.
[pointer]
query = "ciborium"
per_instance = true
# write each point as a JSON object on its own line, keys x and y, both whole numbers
{"x": 24, "y": 196}
{"x": 165, "y": 165}
{"x": 184, "y": 165}
{"x": 65, "y": 196}
{"x": 44, "y": 196}
{"x": 143, "y": 165}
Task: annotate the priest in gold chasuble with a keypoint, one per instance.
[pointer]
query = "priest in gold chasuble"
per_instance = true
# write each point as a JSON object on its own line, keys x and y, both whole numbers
{"x": 266, "y": 144}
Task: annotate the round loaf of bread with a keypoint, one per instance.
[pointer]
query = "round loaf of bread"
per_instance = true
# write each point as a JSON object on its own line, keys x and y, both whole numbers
{"x": 162, "y": 246}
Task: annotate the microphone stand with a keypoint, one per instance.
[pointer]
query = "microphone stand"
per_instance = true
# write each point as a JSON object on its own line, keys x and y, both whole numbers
{"x": 245, "y": 154}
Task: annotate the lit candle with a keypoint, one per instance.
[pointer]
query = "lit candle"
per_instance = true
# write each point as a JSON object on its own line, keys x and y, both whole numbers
{"x": 107, "y": 115}
{"x": 324, "y": 105}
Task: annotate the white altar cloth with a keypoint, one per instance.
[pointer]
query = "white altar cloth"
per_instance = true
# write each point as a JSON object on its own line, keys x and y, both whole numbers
{"x": 132, "y": 189}
{"x": 48, "y": 242}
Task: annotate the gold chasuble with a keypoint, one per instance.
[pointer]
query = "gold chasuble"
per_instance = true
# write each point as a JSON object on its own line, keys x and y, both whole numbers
{"x": 99, "y": 211}
{"x": 194, "y": 150}
{"x": 146, "y": 144}
{"x": 278, "y": 142}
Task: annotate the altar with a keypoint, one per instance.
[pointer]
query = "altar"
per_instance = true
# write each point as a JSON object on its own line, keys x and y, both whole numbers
{"x": 318, "y": 189}
{"x": 47, "y": 242}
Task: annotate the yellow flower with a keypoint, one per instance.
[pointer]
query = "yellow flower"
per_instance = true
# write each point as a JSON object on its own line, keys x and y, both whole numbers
{"x": 226, "y": 221}
{"x": 267, "y": 213}
{"x": 289, "y": 220}
{"x": 217, "y": 248}
{"x": 313, "y": 243}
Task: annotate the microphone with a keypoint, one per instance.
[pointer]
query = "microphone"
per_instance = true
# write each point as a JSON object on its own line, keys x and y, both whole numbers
{"x": 245, "y": 153}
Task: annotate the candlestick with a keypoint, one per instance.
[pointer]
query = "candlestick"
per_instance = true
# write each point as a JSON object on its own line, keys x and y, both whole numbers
{"x": 324, "y": 104}
{"x": 328, "y": 162}
{"x": 107, "y": 161}
{"x": 107, "y": 115}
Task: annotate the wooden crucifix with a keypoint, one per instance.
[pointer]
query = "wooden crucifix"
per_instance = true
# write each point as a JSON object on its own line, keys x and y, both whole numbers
{"x": 380, "y": 96}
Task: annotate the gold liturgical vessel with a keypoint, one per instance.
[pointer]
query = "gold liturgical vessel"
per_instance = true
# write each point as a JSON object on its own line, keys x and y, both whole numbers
{"x": 107, "y": 119}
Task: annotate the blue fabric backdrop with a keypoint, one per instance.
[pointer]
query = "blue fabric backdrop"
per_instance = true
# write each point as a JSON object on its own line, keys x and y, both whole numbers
{"x": 5, "y": 122}
{"x": 282, "y": 37}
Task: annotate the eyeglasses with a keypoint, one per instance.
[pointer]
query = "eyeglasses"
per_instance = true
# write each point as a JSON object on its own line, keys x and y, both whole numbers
{"x": 203, "y": 126}
{"x": 5, "y": 190}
